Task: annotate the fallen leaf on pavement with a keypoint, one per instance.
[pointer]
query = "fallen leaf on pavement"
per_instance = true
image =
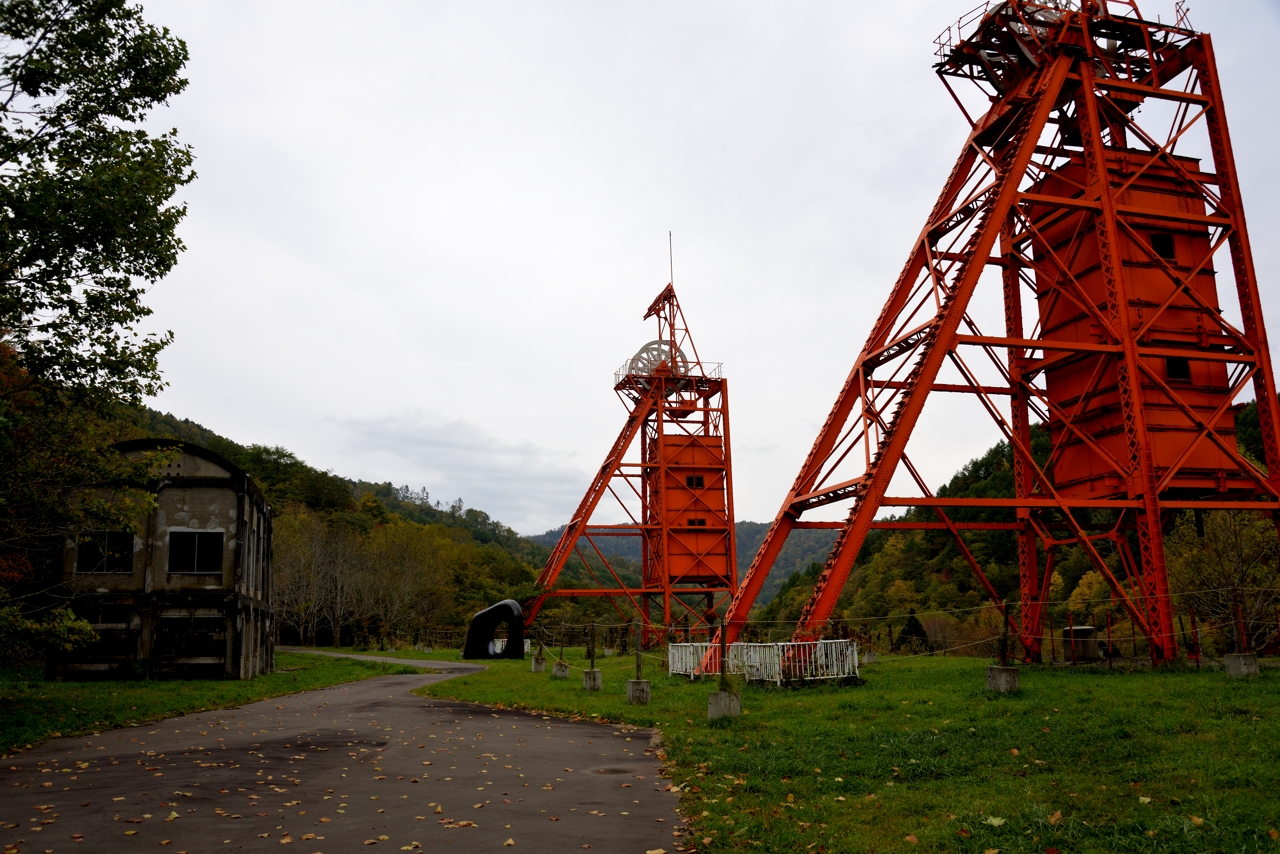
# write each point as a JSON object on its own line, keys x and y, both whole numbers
{"x": 508, "y": 843}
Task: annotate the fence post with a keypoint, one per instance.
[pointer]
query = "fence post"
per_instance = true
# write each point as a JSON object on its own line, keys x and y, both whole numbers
{"x": 724, "y": 660}
{"x": 1242, "y": 642}
{"x": 1071, "y": 627}
{"x": 1195, "y": 636}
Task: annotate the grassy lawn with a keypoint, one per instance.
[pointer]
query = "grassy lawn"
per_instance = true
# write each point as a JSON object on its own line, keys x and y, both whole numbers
{"x": 922, "y": 758}
{"x": 35, "y": 710}
{"x": 437, "y": 655}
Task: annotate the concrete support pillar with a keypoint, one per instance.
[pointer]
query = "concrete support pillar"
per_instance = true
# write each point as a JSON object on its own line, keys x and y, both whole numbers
{"x": 724, "y": 704}
{"x": 1241, "y": 664}
{"x": 1002, "y": 680}
{"x": 638, "y": 692}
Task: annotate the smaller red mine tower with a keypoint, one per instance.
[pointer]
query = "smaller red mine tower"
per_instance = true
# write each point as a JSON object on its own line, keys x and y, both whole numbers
{"x": 669, "y": 483}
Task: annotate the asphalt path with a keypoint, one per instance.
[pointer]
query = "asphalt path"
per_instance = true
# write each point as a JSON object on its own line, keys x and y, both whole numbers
{"x": 362, "y": 764}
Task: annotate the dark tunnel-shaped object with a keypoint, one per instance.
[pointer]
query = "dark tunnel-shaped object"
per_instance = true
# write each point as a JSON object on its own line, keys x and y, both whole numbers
{"x": 484, "y": 625}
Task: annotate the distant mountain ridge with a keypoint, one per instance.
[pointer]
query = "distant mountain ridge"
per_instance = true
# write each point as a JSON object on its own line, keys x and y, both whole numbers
{"x": 803, "y": 548}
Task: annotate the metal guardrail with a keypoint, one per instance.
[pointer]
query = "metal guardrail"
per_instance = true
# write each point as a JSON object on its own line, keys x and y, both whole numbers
{"x": 954, "y": 34}
{"x": 767, "y": 662}
{"x": 710, "y": 370}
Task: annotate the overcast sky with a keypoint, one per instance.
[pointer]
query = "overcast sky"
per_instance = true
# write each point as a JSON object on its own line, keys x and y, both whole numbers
{"x": 424, "y": 234}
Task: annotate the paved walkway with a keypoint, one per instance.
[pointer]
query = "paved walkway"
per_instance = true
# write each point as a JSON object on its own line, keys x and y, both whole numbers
{"x": 366, "y": 763}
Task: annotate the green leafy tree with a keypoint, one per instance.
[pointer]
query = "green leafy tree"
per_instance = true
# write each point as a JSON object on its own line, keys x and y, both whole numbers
{"x": 87, "y": 221}
{"x": 1233, "y": 569}
{"x": 87, "y": 215}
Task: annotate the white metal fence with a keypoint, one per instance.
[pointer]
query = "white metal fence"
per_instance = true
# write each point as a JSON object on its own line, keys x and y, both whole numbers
{"x": 767, "y": 662}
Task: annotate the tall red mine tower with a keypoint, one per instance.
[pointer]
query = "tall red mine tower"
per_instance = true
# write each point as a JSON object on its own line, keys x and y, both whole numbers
{"x": 1096, "y": 200}
{"x": 667, "y": 480}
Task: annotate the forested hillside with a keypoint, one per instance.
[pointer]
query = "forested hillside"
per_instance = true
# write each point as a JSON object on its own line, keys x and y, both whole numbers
{"x": 802, "y": 548}
{"x": 375, "y": 561}
{"x": 369, "y": 561}
{"x": 901, "y": 572}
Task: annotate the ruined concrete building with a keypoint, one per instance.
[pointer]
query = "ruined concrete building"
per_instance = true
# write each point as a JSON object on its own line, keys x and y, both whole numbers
{"x": 190, "y": 597}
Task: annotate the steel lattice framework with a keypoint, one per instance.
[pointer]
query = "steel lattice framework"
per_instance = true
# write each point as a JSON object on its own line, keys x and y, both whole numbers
{"x": 1062, "y": 196}
{"x": 675, "y": 490}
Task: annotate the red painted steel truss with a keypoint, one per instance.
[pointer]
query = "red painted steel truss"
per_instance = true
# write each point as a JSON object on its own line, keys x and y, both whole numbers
{"x": 1064, "y": 198}
{"x": 668, "y": 481}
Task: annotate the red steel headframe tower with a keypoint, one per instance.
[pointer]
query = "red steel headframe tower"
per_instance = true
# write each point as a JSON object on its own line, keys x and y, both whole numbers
{"x": 1099, "y": 238}
{"x": 675, "y": 493}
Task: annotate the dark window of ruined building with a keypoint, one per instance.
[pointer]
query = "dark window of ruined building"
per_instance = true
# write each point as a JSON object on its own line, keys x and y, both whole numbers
{"x": 195, "y": 551}
{"x": 105, "y": 551}
{"x": 1177, "y": 369}
{"x": 1162, "y": 245}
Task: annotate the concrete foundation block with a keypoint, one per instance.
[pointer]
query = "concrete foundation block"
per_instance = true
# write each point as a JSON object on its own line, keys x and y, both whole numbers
{"x": 1080, "y": 643}
{"x": 1002, "y": 680}
{"x": 724, "y": 704}
{"x": 560, "y": 670}
{"x": 638, "y": 692}
{"x": 539, "y": 664}
{"x": 591, "y": 680}
{"x": 1241, "y": 664}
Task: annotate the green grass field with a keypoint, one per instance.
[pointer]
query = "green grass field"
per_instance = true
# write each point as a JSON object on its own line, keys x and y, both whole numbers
{"x": 35, "y": 710}
{"x": 921, "y": 757}
{"x": 413, "y": 654}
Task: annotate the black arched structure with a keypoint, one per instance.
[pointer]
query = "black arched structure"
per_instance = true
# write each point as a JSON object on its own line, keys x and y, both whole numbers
{"x": 484, "y": 625}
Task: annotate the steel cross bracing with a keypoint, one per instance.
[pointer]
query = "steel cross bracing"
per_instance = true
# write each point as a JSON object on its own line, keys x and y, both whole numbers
{"x": 1058, "y": 188}
{"x": 669, "y": 477}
